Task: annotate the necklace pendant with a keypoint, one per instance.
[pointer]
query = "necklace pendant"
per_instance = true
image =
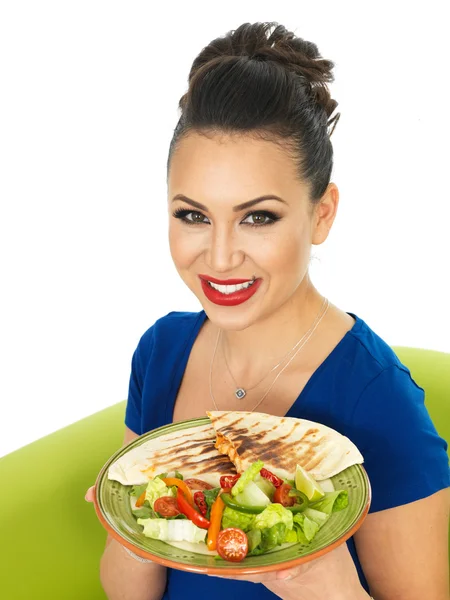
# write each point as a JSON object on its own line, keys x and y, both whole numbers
{"x": 240, "y": 393}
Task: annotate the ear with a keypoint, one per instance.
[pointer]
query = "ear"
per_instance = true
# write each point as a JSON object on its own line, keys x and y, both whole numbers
{"x": 324, "y": 214}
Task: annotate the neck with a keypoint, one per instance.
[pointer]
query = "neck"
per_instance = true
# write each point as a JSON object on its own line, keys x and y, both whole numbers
{"x": 273, "y": 336}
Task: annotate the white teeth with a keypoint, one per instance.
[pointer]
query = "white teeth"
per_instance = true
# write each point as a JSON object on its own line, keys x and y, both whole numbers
{"x": 230, "y": 289}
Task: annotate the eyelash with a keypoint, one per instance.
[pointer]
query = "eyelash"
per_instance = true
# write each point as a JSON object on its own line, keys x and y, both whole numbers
{"x": 181, "y": 213}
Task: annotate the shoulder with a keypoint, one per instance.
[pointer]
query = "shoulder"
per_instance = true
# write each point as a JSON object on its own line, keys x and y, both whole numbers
{"x": 371, "y": 348}
{"x": 372, "y": 362}
{"x": 388, "y": 421}
{"x": 381, "y": 383}
{"x": 170, "y": 331}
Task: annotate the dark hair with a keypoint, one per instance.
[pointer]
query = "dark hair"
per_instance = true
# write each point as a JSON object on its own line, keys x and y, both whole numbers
{"x": 266, "y": 83}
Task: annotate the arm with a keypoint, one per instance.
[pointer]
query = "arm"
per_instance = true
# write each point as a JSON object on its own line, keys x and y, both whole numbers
{"x": 125, "y": 578}
{"x": 404, "y": 550}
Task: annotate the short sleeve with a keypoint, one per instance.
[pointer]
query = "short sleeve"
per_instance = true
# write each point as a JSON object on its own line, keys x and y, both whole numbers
{"x": 405, "y": 458}
{"x": 139, "y": 364}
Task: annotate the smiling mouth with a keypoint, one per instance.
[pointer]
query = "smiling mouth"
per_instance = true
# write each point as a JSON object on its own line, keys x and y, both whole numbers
{"x": 230, "y": 289}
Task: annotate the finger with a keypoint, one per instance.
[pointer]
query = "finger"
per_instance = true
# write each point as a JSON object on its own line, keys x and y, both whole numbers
{"x": 89, "y": 497}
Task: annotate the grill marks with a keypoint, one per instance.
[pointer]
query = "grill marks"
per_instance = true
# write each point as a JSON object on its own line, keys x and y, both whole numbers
{"x": 192, "y": 451}
{"x": 285, "y": 451}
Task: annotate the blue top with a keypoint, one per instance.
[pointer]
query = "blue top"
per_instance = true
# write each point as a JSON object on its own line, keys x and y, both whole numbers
{"x": 361, "y": 390}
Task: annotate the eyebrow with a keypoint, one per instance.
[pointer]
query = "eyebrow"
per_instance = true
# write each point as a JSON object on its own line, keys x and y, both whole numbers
{"x": 237, "y": 208}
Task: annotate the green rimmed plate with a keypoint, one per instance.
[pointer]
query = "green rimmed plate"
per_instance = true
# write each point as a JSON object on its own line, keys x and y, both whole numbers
{"x": 112, "y": 504}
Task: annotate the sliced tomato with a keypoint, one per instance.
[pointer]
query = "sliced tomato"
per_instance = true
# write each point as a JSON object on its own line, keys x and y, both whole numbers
{"x": 227, "y": 481}
{"x": 281, "y": 495}
{"x": 276, "y": 481}
{"x": 198, "y": 484}
{"x": 166, "y": 506}
{"x": 232, "y": 544}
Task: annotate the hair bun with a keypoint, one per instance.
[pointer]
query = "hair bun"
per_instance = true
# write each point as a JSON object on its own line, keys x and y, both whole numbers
{"x": 270, "y": 41}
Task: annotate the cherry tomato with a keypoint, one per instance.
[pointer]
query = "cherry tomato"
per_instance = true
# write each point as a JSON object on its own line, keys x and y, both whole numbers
{"x": 166, "y": 506}
{"x": 198, "y": 484}
{"x": 232, "y": 544}
{"x": 199, "y": 499}
{"x": 276, "y": 481}
{"x": 281, "y": 495}
{"x": 227, "y": 481}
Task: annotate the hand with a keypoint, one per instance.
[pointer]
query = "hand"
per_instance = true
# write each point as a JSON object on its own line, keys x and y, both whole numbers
{"x": 332, "y": 576}
{"x": 89, "y": 497}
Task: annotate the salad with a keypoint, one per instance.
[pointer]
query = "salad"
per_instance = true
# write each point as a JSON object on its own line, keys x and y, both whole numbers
{"x": 245, "y": 515}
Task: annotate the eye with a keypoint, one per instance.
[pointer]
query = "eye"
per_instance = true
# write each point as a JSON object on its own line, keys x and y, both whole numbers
{"x": 191, "y": 217}
{"x": 259, "y": 218}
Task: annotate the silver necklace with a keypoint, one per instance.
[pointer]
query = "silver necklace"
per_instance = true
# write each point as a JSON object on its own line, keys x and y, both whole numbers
{"x": 241, "y": 392}
{"x": 302, "y": 342}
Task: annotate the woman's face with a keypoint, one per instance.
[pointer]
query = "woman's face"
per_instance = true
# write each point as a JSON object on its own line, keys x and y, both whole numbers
{"x": 242, "y": 255}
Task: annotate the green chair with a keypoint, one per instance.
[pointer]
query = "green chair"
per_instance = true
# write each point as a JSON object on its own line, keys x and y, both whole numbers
{"x": 51, "y": 540}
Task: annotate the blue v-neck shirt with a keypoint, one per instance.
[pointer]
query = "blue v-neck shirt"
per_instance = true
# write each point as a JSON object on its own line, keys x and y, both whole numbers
{"x": 361, "y": 390}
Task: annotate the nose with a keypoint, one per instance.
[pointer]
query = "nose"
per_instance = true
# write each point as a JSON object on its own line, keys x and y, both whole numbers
{"x": 223, "y": 254}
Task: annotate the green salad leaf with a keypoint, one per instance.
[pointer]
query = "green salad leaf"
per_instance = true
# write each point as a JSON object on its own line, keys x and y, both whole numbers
{"x": 247, "y": 476}
{"x": 137, "y": 490}
{"x": 305, "y": 528}
{"x": 233, "y": 518}
{"x": 172, "y": 530}
{"x": 210, "y": 496}
{"x": 272, "y": 515}
{"x": 317, "y": 516}
{"x": 333, "y": 501}
{"x": 263, "y": 540}
{"x": 156, "y": 488}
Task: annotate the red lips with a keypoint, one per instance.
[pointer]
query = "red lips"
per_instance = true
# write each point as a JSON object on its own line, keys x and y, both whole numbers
{"x": 232, "y": 299}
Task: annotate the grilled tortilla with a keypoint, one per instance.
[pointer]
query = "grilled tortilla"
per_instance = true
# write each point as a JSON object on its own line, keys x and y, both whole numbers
{"x": 282, "y": 443}
{"x": 190, "y": 451}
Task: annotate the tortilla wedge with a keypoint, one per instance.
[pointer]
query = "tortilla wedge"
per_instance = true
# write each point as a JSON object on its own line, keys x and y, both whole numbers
{"x": 282, "y": 443}
{"x": 191, "y": 451}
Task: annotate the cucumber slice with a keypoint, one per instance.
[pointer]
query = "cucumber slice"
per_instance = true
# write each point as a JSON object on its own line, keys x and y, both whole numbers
{"x": 252, "y": 495}
{"x": 265, "y": 486}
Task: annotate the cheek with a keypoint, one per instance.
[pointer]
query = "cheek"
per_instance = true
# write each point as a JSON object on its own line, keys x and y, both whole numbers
{"x": 185, "y": 246}
{"x": 287, "y": 253}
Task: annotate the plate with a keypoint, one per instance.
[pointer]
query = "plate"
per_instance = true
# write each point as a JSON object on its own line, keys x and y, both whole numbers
{"x": 112, "y": 505}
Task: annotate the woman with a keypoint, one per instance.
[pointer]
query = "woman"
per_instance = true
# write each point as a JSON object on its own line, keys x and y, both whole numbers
{"x": 249, "y": 193}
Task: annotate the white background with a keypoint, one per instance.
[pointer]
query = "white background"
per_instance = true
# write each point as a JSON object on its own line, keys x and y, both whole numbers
{"x": 87, "y": 109}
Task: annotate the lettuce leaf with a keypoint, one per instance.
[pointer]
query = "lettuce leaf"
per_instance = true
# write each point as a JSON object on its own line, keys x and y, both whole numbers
{"x": 332, "y": 502}
{"x": 172, "y": 530}
{"x": 263, "y": 540}
{"x": 156, "y": 488}
{"x": 248, "y": 475}
{"x": 317, "y": 516}
{"x": 306, "y": 526}
{"x": 210, "y": 497}
{"x": 137, "y": 490}
{"x": 144, "y": 512}
{"x": 272, "y": 515}
{"x": 233, "y": 518}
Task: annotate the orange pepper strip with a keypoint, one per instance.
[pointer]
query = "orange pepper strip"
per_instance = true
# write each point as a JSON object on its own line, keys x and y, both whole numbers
{"x": 216, "y": 520}
{"x": 169, "y": 481}
{"x": 140, "y": 500}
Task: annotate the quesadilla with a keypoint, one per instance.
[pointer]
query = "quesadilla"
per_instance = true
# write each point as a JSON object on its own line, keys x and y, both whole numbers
{"x": 282, "y": 443}
{"x": 190, "y": 451}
